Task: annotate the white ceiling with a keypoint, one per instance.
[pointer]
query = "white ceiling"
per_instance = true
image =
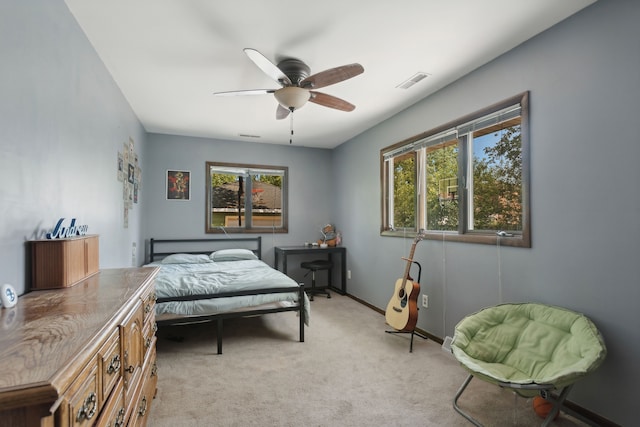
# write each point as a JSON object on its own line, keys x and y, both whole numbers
{"x": 169, "y": 56}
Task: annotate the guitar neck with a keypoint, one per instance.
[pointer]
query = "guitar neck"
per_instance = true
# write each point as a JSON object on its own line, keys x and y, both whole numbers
{"x": 409, "y": 261}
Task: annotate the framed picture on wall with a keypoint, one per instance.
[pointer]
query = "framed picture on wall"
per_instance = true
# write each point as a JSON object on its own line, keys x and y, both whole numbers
{"x": 178, "y": 185}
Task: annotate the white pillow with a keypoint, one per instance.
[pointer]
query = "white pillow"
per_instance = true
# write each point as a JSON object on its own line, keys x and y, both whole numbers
{"x": 233, "y": 255}
{"x": 186, "y": 259}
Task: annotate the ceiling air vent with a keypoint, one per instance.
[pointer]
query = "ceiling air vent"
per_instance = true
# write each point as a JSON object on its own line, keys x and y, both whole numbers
{"x": 412, "y": 80}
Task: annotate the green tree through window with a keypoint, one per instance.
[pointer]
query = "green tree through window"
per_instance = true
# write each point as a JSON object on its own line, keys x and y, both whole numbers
{"x": 404, "y": 184}
{"x": 442, "y": 172}
{"x": 497, "y": 177}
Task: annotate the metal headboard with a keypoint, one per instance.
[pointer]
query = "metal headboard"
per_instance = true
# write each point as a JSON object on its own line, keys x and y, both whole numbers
{"x": 202, "y": 246}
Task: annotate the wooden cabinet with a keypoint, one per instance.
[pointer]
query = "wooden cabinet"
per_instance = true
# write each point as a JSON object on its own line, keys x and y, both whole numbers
{"x": 82, "y": 355}
{"x": 59, "y": 263}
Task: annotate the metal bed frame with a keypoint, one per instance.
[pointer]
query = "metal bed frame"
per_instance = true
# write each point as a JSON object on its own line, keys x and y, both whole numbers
{"x": 190, "y": 245}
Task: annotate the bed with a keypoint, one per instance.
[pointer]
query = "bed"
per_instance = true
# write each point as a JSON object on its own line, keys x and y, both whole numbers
{"x": 210, "y": 280}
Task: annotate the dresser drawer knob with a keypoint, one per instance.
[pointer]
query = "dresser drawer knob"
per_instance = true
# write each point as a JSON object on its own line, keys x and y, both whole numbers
{"x": 143, "y": 407}
{"x": 114, "y": 365}
{"x": 88, "y": 409}
{"x": 119, "y": 421}
{"x": 130, "y": 369}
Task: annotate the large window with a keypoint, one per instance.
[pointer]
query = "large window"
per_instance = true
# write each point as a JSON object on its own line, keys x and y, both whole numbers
{"x": 246, "y": 198}
{"x": 464, "y": 181}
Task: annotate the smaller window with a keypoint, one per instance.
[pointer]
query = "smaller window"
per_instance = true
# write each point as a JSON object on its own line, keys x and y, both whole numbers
{"x": 246, "y": 198}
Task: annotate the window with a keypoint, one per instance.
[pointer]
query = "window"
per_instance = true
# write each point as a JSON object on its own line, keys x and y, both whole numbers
{"x": 246, "y": 198}
{"x": 464, "y": 181}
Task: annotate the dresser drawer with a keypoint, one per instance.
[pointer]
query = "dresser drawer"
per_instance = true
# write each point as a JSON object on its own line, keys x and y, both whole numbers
{"x": 147, "y": 391}
{"x": 132, "y": 349}
{"x": 148, "y": 335}
{"x": 114, "y": 411}
{"x": 149, "y": 304}
{"x": 110, "y": 363}
{"x": 83, "y": 403}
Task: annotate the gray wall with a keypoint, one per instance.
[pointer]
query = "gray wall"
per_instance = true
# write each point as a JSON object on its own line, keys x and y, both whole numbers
{"x": 585, "y": 85}
{"x": 310, "y": 191}
{"x": 62, "y": 120}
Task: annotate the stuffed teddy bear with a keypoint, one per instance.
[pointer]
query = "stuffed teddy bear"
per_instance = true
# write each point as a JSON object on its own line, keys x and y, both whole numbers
{"x": 329, "y": 235}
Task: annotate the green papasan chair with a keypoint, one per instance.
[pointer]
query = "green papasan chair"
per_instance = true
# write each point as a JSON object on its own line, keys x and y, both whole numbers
{"x": 530, "y": 348}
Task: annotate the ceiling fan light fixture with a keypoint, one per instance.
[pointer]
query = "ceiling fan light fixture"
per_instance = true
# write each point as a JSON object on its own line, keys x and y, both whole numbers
{"x": 292, "y": 97}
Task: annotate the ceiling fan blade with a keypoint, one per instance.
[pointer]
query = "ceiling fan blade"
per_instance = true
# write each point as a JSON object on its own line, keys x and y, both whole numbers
{"x": 331, "y": 76}
{"x": 245, "y": 92}
{"x": 281, "y": 112}
{"x": 331, "y": 101}
{"x": 268, "y": 67}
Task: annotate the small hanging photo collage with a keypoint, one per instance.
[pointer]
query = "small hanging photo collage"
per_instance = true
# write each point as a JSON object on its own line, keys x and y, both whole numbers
{"x": 130, "y": 174}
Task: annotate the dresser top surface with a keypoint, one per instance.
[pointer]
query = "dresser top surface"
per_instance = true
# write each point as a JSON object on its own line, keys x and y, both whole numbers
{"x": 49, "y": 329}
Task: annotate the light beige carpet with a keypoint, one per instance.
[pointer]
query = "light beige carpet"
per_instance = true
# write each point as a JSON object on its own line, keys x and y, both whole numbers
{"x": 348, "y": 372}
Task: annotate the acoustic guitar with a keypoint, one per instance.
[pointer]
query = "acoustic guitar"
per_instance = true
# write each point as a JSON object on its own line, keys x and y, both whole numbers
{"x": 402, "y": 310}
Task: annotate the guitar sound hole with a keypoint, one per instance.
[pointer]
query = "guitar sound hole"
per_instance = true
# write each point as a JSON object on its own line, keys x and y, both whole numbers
{"x": 401, "y": 293}
{"x": 403, "y": 301}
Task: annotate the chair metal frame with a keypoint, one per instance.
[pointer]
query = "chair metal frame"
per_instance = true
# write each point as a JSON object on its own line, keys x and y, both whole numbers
{"x": 544, "y": 390}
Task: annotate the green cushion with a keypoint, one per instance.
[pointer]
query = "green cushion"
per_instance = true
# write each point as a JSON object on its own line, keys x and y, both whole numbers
{"x": 528, "y": 344}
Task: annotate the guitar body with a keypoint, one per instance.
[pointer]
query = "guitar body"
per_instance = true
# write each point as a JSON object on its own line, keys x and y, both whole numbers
{"x": 402, "y": 310}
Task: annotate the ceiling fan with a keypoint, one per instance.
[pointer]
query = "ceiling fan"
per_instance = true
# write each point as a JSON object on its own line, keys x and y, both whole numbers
{"x": 298, "y": 86}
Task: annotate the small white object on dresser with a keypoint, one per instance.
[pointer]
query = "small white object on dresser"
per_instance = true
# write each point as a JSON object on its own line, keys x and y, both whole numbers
{"x": 8, "y": 296}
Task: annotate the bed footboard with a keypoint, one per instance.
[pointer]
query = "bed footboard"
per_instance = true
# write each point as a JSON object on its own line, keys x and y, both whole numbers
{"x": 220, "y": 317}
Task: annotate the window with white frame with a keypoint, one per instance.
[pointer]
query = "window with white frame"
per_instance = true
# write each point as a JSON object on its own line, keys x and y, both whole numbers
{"x": 464, "y": 181}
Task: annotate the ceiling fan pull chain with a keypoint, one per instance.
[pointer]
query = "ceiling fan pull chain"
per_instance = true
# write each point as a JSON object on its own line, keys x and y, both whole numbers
{"x": 291, "y": 127}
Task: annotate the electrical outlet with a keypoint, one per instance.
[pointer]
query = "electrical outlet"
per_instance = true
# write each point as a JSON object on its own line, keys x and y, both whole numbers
{"x": 425, "y": 300}
{"x": 348, "y": 274}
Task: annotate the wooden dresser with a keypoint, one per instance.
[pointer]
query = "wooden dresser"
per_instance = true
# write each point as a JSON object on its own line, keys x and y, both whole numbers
{"x": 82, "y": 355}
